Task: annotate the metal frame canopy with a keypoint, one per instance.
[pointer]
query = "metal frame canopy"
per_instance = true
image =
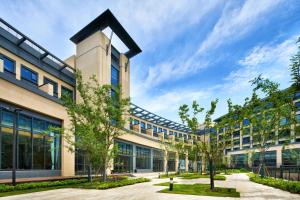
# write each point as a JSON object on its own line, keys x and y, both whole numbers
{"x": 155, "y": 119}
{"x": 100, "y": 23}
{"x": 17, "y": 42}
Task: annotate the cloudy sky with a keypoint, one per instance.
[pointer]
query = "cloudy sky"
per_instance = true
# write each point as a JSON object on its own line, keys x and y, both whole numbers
{"x": 192, "y": 50}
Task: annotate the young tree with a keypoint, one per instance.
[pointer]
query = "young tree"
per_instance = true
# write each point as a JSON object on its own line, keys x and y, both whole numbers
{"x": 267, "y": 116}
{"x": 208, "y": 147}
{"x": 295, "y": 68}
{"x": 97, "y": 118}
{"x": 228, "y": 124}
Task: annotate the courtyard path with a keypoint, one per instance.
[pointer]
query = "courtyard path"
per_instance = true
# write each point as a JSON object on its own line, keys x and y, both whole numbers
{"x": 146, "y": 191}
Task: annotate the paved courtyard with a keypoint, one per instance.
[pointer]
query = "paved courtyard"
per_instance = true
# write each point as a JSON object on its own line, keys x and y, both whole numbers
{"x": 146, "y": 191}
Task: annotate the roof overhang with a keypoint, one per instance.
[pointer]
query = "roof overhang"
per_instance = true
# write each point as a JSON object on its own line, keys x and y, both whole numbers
{"x": 107, "y": 19}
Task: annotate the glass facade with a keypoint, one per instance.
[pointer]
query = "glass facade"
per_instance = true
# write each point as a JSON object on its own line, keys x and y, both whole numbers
{"x": 124, "y": 160}
{"x": 67, "y": 92}
{"x": 270, "y": 158}
{"x": 239, "y": 160}
{"x": 143, "y": 158}
{"x": 38, "y": 144}
{"x": 291, "y": 157}
{"x": 158, "y": 161}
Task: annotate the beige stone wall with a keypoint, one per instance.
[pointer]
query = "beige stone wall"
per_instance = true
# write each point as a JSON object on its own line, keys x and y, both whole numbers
{"x": 23, "y": 98}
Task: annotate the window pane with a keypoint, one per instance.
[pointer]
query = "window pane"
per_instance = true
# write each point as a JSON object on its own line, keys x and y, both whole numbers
{"x": 24, "y": 122}
{"x": 7, "y": 118}
{"x": 6, "y": 148}
{"x": 24, "y": 149}
{"x": 114, "y": 76}
{"x": 9, "y": 65}
{"x": 67, "y": 92}
{"x": 28, "y": 75}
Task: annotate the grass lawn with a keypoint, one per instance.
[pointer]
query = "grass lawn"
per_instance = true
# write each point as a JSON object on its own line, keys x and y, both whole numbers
{"x": 199, "y": 189}
{"x": 194, "y": 176}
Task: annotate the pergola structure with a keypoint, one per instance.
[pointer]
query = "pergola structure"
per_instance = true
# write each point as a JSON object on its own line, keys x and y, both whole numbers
{"x": 155, "y": 119}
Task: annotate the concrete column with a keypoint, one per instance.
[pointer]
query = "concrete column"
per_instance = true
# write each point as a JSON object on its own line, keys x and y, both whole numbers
{"x": 203, "y": 164}
{"x": 176, "y": 162}
{"x": 292, "y": 133}
{"x": 151, "y": 158}
{"x": 165, "y": 161}
{"x": 133, "y": 158}
{"x": 18, "y": 70}
{"x": 278, "y": 157}
{"x": 1, "y": 65}
{"x": 186, "y": 162}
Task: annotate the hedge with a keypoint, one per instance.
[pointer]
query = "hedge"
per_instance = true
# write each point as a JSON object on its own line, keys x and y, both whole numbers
{"x": 107, "y": 185}
{"x": 45, "y": 184}
{"x": 291, "y": 186}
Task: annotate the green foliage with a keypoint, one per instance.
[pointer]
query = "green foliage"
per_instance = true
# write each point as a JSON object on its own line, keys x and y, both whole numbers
{"x": 201, "y": 189}
{"x": 295, "y": 68}
{"x": 35, "y": 185}
{"x": 96, "y": 119}
{"x": 232, "y": 171}
{"x": 114, "y": 184}
{"x": 291, "y": 186}
{"x": 195, "y": 176}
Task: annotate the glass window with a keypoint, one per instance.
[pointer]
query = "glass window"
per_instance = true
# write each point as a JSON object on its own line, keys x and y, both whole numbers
{"x": 115, "y": 79}
{"x": 236, "y": 134}
{"x": 154, "y": 129}
{"x": 291, "y": 157}
{"x": 143, "y": 158}
{"x": 149, "y": 126}
{"x": 165, "y": 133}
{"x": 24, "y": 149}
{"x": 246, "y": 122}
{"x": 29, "y": 75}
{"x": 143, "y": 127}
{"x": 159, "y": 130}
{"x": 6, "y": 148}
{"x": 67, "y": 92}
{"x": 24, "y": 122}
{"x": 175, "y": 133}
{"x": 170, "y": 132}
{"x": 246, "y": 140}
{"x": 9, "y": 65}
{"x": 55, "y": 86}
{"x": 7, "y": 118}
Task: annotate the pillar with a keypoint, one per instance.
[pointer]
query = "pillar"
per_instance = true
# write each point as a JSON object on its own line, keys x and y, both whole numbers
{"x": 151, "y": 159}
{"x": 176, "y": 162}
{"x": 1, "y": 65}
{"x": 165, "y": 161}
{"x": 133, "y": 158}
{"x": 278, "y": 157}
{"x": 186, "y": 162}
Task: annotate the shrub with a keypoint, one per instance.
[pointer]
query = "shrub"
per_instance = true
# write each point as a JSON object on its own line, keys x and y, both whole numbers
{"x": 45, "y": 184}
{"x": 291, "y": 186}
{"x": 107, "y": 185}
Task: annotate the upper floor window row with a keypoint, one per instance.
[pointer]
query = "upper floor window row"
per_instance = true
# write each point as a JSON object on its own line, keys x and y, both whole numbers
{"x": 29, "y": 75}
{"x": 8, "y": 64}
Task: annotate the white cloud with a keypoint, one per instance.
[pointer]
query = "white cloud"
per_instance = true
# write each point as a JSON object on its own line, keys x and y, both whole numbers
{"x": 270, "y": 60}
{"x": 236, "y": 22}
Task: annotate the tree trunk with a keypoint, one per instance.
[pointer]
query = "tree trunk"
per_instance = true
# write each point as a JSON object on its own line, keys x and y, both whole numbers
{"x": 90, "y": 172}
{"x": 104, "y": 174}
{"x": 211, "y": 173}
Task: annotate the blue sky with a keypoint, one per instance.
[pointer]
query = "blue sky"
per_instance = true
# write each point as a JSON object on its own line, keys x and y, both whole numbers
{"x": 192, "y": 50}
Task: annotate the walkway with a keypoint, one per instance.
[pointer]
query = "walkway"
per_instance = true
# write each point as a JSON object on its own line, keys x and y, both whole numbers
{"x": 146, "y": 191}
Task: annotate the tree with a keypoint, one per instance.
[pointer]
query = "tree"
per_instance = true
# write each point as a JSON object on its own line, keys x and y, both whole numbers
{"x": 227, "y": 126}
{"x": 274, "y": 113}
{"x": 208, "y": 148}
{"x": 97, "y": 118}
{"x": 295, "y": 68}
